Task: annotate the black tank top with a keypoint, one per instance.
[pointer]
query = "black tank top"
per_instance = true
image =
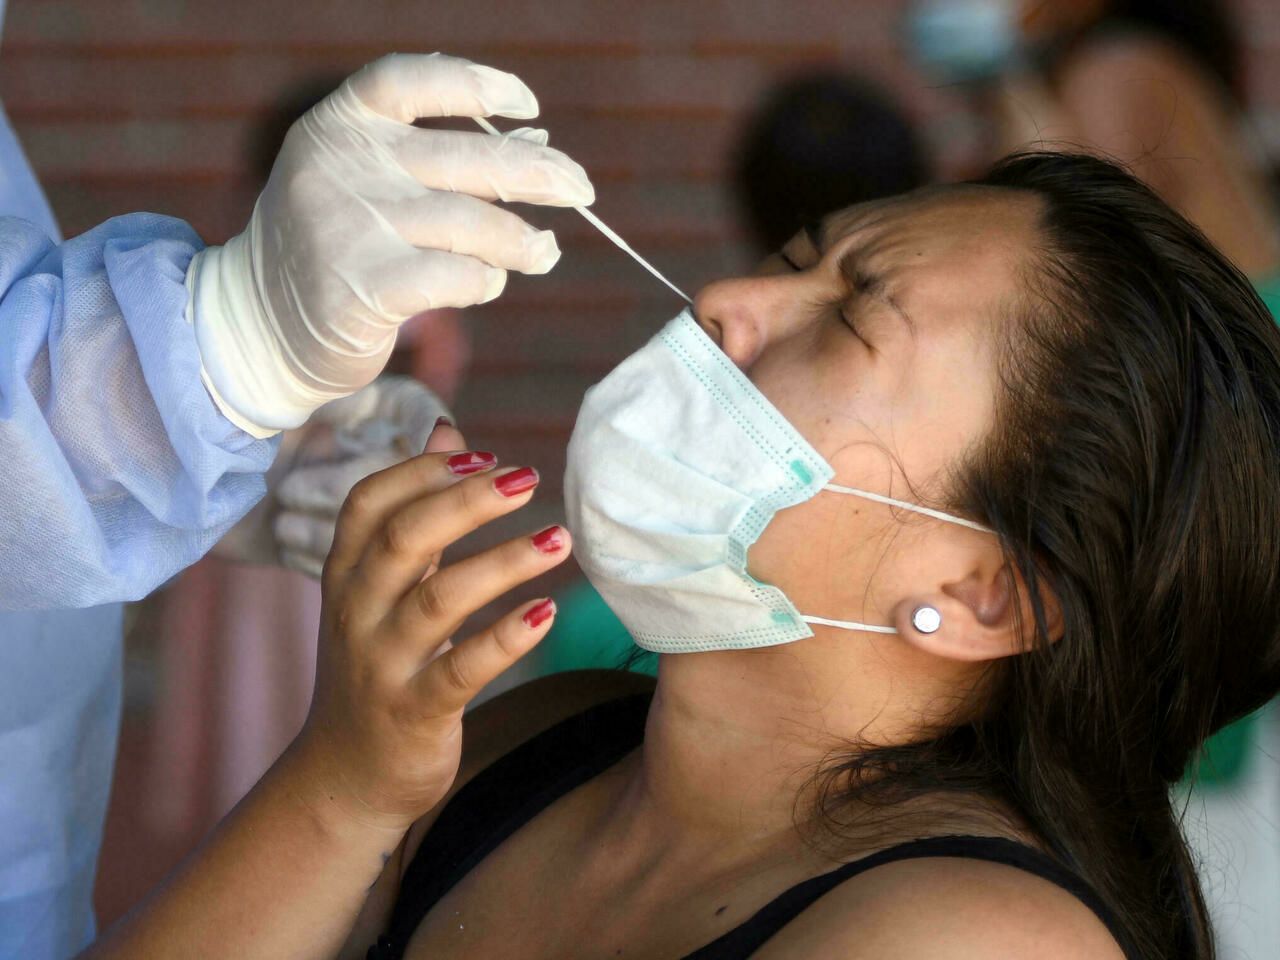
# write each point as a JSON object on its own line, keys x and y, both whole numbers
{"x": 487, "y": 810}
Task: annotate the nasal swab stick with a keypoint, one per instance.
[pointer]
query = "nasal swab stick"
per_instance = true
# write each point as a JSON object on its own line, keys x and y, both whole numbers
{"x": 600, "y": 225}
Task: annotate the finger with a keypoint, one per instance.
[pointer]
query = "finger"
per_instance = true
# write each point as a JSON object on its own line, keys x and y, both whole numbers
{"x": 453, "y": 677}
{"x": 397, "y": 557}
{"x": 375, "y": 497}
{"x": 492, "y": 167}
{"x": 531, "y": 134}
{"x": 437, "y": 605}
{"x": 419, "y": 280}
{"x": 310, "y": 564}
{"x": 465, "y": 225}
{"x": 305, "y": 533}
{"x": 405, "y": 87}
{"x": 445, "y": 436}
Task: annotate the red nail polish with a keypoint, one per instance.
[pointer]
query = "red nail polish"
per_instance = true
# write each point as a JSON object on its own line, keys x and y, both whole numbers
{"x": 465, "y": 464}
{"x": 550, "y": 540}
{"x": 517, "y": 482}
{"x": 537, "y": 616}
{"x": 443, "y": 422}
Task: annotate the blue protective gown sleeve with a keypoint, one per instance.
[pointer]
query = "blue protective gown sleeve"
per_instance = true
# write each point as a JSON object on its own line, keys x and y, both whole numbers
{"x": 116, "y": 468}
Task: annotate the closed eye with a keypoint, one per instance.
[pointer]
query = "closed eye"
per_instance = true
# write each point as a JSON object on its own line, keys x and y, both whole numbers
{"x": 862, "y": 284}
{"x": 789, "y": 262}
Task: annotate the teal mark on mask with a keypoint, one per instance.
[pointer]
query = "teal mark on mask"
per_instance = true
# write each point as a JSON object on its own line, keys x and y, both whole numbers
{"x": 801, "y": 471}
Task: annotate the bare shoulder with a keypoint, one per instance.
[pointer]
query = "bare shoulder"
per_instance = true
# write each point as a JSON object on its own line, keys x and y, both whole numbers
{"x": 947, "y": 909}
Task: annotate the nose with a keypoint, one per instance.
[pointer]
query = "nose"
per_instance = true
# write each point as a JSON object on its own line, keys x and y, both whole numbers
{"x": 743, "y": 315}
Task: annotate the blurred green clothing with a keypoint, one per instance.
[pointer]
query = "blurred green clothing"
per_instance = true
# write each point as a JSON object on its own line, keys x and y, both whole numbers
{"x": 1224, "y": 754}
{"x": 588, "y": 636}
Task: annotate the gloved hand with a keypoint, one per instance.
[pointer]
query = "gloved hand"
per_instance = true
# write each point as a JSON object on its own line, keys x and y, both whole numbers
{"x": 366, "y": 221}
{"x": 345, "y": 441}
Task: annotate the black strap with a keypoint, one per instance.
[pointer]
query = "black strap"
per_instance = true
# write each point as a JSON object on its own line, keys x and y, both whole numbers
{"x": 504, "y": 797}
{"x": 748, "y": 937}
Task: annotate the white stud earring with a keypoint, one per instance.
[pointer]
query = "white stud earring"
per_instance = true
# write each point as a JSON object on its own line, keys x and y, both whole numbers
{"x": 926, "y": 619}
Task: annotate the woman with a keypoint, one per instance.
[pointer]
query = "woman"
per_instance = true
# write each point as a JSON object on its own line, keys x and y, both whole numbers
{"x": 1084, "y": 398}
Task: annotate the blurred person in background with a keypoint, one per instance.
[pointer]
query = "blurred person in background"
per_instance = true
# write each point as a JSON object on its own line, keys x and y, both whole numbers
{"x": 814, "y": 143}
{"x": 146, "y": 379}
{"x": 1155, "y": 84}
{"x": 1158, "y": 85}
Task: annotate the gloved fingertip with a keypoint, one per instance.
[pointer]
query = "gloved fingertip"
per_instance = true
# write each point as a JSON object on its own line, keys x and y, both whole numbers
{"x": 578, "y": 190}
{"x": 534, "y": 135}
{"x": 504, "y": 94}
{"x": 303, "y": 563}
{"x": 495, "y": 282}
{"x": 543, "y": 251}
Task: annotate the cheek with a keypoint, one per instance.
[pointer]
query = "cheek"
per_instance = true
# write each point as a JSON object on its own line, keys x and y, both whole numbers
{"x": 833, "y": 556}
{"x": 823, "y": 384}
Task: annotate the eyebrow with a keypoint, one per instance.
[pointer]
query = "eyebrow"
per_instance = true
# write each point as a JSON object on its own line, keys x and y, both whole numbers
{"x": 858, "y": 279}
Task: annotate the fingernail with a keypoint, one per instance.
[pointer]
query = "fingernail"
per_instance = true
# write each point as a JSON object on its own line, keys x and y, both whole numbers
{"x": 495, "y": 282}
{"x": 465, "y": 464}
{"x": 550, "y": 540}
{"x": 540, "y": 614}
{"x": 517, "y": 482}
{"x": 443, "y": 422}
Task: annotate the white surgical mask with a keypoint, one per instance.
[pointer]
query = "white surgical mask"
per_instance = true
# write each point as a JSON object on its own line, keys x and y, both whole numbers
{"x": 676, "y": 465}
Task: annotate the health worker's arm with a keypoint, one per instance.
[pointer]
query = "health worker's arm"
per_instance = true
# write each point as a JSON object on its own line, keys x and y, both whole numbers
{"x": 116, "y": 467}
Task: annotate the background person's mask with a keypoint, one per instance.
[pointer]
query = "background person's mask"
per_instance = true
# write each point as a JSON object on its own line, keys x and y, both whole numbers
{"x": 676, "y": 465}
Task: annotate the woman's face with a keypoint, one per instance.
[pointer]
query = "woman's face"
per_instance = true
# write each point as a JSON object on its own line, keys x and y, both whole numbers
{"x": 877, "y": 335}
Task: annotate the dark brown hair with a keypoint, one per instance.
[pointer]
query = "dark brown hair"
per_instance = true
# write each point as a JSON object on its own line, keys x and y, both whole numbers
{"x": 1135, "y": 472}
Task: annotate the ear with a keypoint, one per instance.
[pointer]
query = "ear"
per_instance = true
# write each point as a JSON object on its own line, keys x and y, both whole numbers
{"x": 985, "y": 616}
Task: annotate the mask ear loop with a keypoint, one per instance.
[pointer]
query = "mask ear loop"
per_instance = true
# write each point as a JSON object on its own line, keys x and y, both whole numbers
{"x": 924, "y": 619}
{"x": 600, "y": 225}
{"x": 913, "y": 507}
{"x": 850, "y": 625}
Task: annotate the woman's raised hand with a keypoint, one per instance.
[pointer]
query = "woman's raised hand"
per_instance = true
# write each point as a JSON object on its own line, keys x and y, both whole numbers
{"x": 384, "y": 733}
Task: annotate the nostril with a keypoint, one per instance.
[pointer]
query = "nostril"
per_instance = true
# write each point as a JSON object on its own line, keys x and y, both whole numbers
{"x": 711, "y": 327}
{"x": 726, "y": 314}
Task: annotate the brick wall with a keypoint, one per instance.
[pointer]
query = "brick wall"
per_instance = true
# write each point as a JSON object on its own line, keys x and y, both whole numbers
{"x": 152, "y": 104}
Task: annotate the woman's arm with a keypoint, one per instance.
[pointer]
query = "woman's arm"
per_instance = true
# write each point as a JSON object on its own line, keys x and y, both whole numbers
{"x": 283, "y": 876}
{"x": 286, "y": 874}
{"x": 493, "y": 729}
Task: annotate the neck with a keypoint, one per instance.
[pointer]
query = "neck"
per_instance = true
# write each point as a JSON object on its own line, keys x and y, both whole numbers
{"x": 734, "y": 739}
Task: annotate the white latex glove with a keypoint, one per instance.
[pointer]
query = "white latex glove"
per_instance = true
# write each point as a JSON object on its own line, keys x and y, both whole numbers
{"x": 345, "y": 441}
{"x": 366, "y": 221}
